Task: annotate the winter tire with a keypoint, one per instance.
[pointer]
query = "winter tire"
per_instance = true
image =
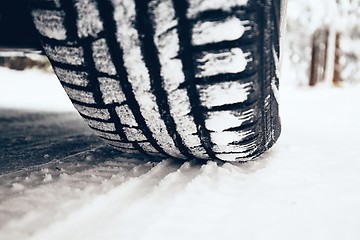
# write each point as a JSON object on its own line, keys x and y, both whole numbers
{"x": 181, "y": 78}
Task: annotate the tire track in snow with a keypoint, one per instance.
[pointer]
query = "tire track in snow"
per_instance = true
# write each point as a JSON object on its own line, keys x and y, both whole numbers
{"x": 152, "y": 197}
{"x": 101, "y": 210}
{"x": 160, "y": 199}
{"x": 209, "y": 201}
{"x": 75, "y": 184}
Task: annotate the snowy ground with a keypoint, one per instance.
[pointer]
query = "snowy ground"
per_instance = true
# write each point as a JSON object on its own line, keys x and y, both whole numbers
{"x": 58, "y": 181}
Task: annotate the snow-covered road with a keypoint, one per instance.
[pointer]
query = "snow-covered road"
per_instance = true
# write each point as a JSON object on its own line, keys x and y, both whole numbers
{"x": 58, "y": 181}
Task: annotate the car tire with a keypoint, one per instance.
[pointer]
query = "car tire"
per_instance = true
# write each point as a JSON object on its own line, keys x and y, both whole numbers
{"x": 192, "y": 79}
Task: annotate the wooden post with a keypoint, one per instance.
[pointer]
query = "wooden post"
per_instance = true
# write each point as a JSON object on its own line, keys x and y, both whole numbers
{"x": 313, "y": 65}
{"x": 336, "y": 77}
{"x": 318, "y": 56}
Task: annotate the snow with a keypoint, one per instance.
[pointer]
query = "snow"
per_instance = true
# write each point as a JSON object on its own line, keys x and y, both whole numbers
{"x": 213, "y": 63}
{"x": 306, "y": 187}
{"x": 219, "y": 94}
{"x": 208, "y": 32}
{"x": 31, "y": 90}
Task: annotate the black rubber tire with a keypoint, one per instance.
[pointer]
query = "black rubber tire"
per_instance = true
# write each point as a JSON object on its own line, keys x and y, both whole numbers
{"x": 186, "y": 79}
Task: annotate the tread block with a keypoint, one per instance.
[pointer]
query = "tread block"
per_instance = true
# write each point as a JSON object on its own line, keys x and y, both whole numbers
{"x": 171, "y": 66}
{"x": 224, "y": 61}
{"x": 80, "y": 96}
{"x": 163, "y": 16}
{"x": 180, "y": 105}
{"x": 220, "y": 121}
{"x": 126, "y": 116}
{"x": 224, "y": 93}
{"x": 65, "y": 54}
{"x": 199, "y": 152}
{"x": 88, "y": 21}
{"x": 72, "y": 77}
{"x": 134, "y": 135}
{"x": 229, "y": 29}
{"x": 232, "y": 157}
{"x": 248, "y": 147}
{"x": 226, "y": 138}
{"x": 101, "y": 56}
{"x": 50, "y": 23}
{"x": 111, "y": 90}
{"x": 167, "y": 43}
{"x": 93, "y": 112}
{"x": 147, "y": 147}
{"x": 101, "y": 126}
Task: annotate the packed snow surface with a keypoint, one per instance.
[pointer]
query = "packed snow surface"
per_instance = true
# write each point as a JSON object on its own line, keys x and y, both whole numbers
{"x": 306, "y": 187}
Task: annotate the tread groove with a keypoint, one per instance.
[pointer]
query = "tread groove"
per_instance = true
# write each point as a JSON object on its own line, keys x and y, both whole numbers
{"x": 243, "y": 127}
{"x": 185, "y": 54}
{"x": 244, "y": 76}
{"x": 104, "y": 120}
{"x": 247, "y": 140}
{"x": 106, "y": 11}
{"x": 103, "y": 131}
{"x": 48, "y": 5}
{"x": 261, "y": 102}
{"x": 152, "y": 63}
{"x": 225, "y": 44}
{"x": 103, "y": 106}
{"x": 218, "y": 14}
{"x": 75, "y": 87}
{"x": 83, "y": 104}
{"x": 233, "y": 106}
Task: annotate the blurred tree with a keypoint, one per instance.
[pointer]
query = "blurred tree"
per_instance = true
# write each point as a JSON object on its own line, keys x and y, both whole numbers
{"x": 308, "y": 22}
{"x": 22, "y": 63}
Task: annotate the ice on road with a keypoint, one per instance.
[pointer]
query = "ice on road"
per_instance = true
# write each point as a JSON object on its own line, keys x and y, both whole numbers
{"x": 58, "y": 181}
